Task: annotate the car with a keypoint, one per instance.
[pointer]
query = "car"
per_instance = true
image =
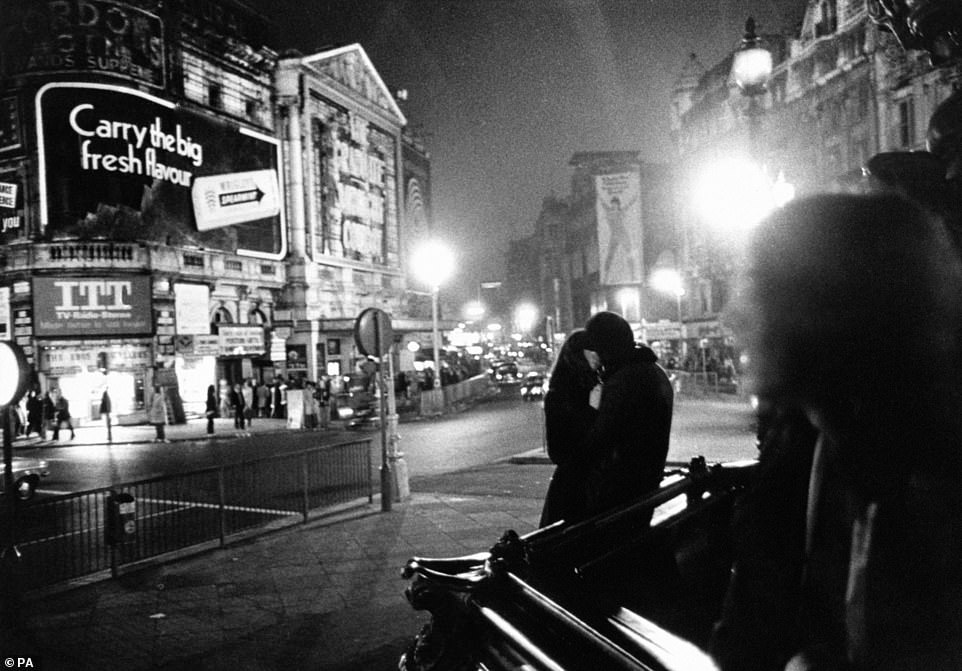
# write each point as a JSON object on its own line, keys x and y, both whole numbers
{"x": 533, "y": 386}
{"x": 505, "y": 373}
{"x": 26, "y": 476}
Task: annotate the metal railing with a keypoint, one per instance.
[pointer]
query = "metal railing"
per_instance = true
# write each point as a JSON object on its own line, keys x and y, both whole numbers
{"x": 66, "y": 537}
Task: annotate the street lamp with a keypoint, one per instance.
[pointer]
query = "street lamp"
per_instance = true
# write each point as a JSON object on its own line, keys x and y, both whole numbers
{"x": 751, "y": 70}
{"x": 433, "y": 262}
{"x": 669, "y": 281}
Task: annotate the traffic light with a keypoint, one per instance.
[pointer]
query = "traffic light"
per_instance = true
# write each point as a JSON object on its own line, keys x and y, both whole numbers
{"x": 102, "y": 361}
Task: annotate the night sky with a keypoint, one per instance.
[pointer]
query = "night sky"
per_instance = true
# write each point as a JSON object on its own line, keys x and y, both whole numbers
{"x": 504, "y": 92}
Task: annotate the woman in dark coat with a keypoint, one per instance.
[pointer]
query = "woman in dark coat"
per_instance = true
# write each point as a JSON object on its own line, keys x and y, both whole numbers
{"x": 211, "y": 409}
{"x": 568, "y": 415}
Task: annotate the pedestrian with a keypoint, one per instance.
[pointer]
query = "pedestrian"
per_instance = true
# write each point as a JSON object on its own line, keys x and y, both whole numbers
{"x": 35, "y": 414}
{"x": 310, "y": 406}
{"x": 157, "y": 414}
{"x": 248, "y": 391}
{"x": 210, "y": 410}
{"x": 848, "y": 544}
{"x": 61, "y": 414}
{"x": 49, "y": 413}
{"x": 263, "y": 395}
{"x": 280, "y": 399}
{"x": 105, "y": 409}
{"x": 324, "y": 401}
{"x": 237, "y": 406}
{"x": 570, "y": 408}
{"x": 627, "y": 445}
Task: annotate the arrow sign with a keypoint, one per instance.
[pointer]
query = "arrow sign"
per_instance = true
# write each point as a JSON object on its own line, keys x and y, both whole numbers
{"x": 240, "y": 197}
{"x": 234, "y": 198}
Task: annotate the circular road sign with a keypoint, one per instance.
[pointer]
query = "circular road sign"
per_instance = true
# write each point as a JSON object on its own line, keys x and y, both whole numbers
{"x": 15, "y": 377}
{"x": 373, "y": 334}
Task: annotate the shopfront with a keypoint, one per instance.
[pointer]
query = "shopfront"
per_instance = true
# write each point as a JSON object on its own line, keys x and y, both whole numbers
{"x": 94, "y": 333}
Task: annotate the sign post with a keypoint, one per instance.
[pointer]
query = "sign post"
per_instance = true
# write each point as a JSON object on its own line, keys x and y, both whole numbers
{"x": 374, "y": 337}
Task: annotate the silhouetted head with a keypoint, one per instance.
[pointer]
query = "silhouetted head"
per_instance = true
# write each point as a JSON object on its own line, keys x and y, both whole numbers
{"x": 571, "y": 368}
{"x": 610, "y": 335}
{"x": 852, "y": 306}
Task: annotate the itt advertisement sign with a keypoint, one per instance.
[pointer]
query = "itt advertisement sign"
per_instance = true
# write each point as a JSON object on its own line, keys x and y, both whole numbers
{"x": 94, "y": 306}
{"x": 126, "y": 165}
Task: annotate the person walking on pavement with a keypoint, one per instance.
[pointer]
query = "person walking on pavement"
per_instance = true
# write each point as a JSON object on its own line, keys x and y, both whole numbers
{"x": 61, "y": 415}
{"x": 237, "y": 406}
{"x": 324, "y": 401}
{"x": 211, "y": 408}
{"x": 35, "y": 414}
{"x": 157, "y": 414}
{"x": 248, "y": 391}
{"x": 310, "y": 407}
{"x": 49, "y": 413}
{"x": 263, "y": 400}
{"x": 628, "y": 443}
{"x": 105, "y": 409}
{"x": 570, "y": 408}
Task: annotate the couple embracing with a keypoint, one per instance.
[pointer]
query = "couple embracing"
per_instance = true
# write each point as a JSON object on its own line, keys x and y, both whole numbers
{"x": 608, "y": 419}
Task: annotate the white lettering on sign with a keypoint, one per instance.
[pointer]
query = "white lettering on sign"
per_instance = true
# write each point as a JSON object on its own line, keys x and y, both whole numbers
{"x": 146, "y": 146}
{"x": 93, "y": 296}
{"x": 8, "y": 195}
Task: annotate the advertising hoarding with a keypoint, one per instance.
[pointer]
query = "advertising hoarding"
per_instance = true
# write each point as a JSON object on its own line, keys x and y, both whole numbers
{"x": 125, "y": 165}
{"x": 92, "y": 306}
{"x": 618, "y": 208}
{"x": 102, "y": 36}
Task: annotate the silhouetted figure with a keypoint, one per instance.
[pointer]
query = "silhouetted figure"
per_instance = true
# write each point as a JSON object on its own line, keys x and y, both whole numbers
{"x": 848, "y": 547}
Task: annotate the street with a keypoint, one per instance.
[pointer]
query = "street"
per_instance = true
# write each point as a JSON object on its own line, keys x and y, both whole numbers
{"x": 720, "y": 429}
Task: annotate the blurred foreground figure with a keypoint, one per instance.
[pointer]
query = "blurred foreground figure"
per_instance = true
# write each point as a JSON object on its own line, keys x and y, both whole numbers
{"x": 849, "y": 547}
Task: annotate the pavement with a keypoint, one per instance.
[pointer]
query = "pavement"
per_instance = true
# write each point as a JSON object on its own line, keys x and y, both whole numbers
{"x": 326, "y": 595}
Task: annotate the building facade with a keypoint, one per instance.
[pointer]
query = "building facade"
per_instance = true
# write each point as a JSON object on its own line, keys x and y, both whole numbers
{"x": 358, "y": 196}
{"x": 841, "y": 91}
{"x": 143, "y": 229}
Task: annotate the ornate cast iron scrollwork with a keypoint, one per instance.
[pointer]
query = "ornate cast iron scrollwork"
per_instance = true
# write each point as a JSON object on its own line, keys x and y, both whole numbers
{"x": 934, "y": 26}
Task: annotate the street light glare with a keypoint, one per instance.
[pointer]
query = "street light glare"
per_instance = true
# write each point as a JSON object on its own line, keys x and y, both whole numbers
{"x": 433, "y": 263}
{"x": 668, "y": 281}
{"x": 734, "y": 195}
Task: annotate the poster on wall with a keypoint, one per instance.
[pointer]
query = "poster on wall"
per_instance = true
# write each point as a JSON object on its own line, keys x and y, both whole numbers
{"x": 191, "y": 308}
{"x": 12, "y": 216}
{"x": 5, "y": 331}
{"x": 94, "y": 306}
{"x": 618, "y": 208}
{"x": 125, "y": 165}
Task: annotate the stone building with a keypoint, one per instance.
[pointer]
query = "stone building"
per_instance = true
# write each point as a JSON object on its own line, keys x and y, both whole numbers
{"x": 143, "y": 227}
{"x": 841, "y": 90}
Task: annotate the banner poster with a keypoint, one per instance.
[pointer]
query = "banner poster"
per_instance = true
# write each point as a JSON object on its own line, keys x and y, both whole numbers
{"x": 191, "y": 308}
{"x": 122, "y": 164}
{"x": 618, "y": 208}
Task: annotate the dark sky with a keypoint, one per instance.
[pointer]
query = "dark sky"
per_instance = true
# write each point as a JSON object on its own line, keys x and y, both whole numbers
{"x": 506, "y": 91}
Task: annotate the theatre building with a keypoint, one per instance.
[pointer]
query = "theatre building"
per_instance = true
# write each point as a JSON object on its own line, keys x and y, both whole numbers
{"x": 143, "y": 229}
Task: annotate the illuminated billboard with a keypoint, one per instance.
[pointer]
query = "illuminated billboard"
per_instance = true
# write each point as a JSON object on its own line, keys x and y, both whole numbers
{"x": 121, "y": 164}
{"x": 92, "y": 306}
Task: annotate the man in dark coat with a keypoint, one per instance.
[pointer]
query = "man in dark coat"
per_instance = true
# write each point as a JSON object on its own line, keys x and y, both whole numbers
{"x": 628, "y": 442}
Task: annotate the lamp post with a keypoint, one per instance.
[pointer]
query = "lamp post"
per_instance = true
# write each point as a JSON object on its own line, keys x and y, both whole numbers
{"x": 434, "y": 263}
{"x": 671, "y": 282}
{"x": 751, "y": 70}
